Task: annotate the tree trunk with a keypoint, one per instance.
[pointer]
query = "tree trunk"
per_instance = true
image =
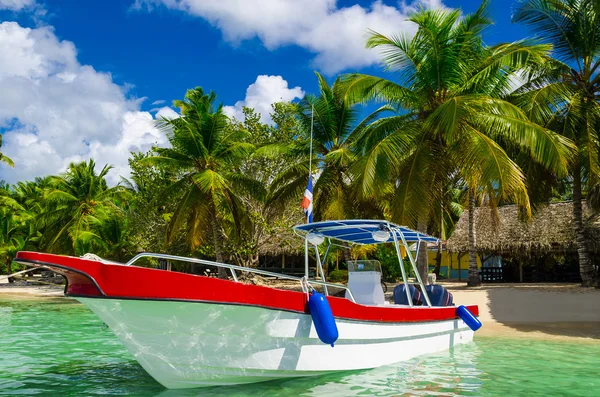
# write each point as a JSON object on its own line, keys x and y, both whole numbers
{"x": 222, "y": 272}
{"x": 474, "y": 279}
{"x": 9, "y": 269}
{"x": 438, "y": 261}
{"x": 586, "y": 269}
{"x": 346, "y": 255}
{"x": 422, "y": 259}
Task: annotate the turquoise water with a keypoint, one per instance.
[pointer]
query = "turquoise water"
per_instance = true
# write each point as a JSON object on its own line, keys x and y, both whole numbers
{"x": 57, "y": 347}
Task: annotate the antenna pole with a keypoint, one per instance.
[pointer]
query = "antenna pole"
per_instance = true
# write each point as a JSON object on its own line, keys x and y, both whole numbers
{"x": 312, "y": 119}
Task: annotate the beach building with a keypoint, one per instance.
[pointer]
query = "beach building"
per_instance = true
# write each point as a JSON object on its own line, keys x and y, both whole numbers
{"x": 454, "y": 265}
{"x": 515, "y": 249}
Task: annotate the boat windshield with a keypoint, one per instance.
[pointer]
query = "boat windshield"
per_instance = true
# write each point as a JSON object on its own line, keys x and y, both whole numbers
{"x": 364, "y": 266}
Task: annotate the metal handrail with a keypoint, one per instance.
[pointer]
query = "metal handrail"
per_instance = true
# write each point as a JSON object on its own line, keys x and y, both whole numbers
{"x": 232, "y": 268}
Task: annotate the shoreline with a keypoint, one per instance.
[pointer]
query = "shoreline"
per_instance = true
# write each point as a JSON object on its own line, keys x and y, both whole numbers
{"x": 546, "y": 311}
{"x": 556, "y": 312}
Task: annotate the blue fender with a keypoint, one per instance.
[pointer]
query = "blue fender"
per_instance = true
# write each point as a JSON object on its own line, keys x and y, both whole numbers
{"x": 468, "y": 317}
{"x": 322, "y": 317}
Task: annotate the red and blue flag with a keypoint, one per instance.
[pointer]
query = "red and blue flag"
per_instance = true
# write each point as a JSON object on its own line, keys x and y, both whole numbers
{"x": 307, "y": 201}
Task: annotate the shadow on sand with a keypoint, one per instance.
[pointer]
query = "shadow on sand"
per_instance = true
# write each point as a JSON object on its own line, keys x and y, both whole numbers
{"x": 555, "y": 311}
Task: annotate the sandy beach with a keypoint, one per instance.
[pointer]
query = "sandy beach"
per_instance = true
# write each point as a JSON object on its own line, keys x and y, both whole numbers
{"x": 17, "y": 290}
{"x": 548, "y": 311}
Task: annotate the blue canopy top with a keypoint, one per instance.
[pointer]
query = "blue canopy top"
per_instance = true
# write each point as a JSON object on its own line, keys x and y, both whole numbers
{"x": 359, "y": 231}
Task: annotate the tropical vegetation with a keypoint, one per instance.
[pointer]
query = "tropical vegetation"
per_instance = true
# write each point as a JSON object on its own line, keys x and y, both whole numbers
{"x": 458, "y": 124}
{"x": 565, "y": 94}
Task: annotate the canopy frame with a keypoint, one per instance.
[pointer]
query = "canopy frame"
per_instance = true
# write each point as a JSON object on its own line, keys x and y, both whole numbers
{"x": 346, "y": 233}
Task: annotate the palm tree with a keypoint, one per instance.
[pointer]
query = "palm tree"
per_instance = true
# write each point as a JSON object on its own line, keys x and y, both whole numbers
{"x": 5, "y": 159}
{"x": 566, "y": 96}
{"x": 453, "y": 122}
{"x": 109, "y": 236}
{"x": 336, "y": 130}
{"x": 11, "y": 238}
{"x": 72, "y": 204}
{"x": 206, "y": 153}
{"x": 15, "y": 227}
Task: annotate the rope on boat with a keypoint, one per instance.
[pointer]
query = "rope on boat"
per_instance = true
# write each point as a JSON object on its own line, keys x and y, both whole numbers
{"x": 93, "y": 257}
{"x": 306, "y": 287}
{"x": 18, "y": 273}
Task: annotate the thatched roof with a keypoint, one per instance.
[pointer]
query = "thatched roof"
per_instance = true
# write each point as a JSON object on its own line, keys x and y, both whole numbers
{"x": 550, "y": 229}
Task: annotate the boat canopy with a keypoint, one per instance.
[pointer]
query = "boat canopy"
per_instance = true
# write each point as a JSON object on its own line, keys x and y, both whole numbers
{"x": 357, "y": 231}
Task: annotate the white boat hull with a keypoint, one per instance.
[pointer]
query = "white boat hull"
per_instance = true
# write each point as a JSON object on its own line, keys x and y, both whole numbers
{"x": 194, "y": 344}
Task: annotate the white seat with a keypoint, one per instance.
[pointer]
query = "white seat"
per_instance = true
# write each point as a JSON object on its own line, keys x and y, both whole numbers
{"x": 366, "y": 287}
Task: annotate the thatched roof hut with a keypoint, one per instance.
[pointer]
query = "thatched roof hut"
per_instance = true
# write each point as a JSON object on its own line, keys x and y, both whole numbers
{"x": 549, "y": 230}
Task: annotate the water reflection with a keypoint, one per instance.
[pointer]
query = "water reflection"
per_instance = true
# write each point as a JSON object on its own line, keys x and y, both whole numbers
{"x": 58, "y": 348}
{"x": 451, "y": 373}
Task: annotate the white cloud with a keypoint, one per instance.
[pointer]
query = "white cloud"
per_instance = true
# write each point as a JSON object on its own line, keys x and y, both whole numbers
{"x": 265, "y": 91}
{"x": 16, "y": 5}
{"x": 159, "y": 102}
{"x": 31, "y": 8}
{"x": 54, "y": 110}
{"x": 336, "y": 35}
{"x": 167, "y": 113}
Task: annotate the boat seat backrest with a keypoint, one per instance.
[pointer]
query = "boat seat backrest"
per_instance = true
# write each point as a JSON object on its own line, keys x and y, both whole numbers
{"x": 438, "y": 295}
{"x": 366, "y": 288}
{"x": 400, "y": 297}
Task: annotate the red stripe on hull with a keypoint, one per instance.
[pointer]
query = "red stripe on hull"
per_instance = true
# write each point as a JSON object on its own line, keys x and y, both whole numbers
{"x": 92, "y": 278}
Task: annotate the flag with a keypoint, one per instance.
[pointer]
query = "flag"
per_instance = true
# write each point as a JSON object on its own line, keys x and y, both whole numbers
{"x": 307, "y": 201}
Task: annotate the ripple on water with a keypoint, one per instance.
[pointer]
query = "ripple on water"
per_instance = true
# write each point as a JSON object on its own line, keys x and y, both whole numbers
{"x": 57, "y": 347}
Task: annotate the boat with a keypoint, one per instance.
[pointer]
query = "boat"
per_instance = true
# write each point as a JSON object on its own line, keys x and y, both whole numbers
{"x": 189, "y": 330}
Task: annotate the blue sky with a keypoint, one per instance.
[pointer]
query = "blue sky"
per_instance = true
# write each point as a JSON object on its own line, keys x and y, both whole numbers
{"x": 85, "y": 78}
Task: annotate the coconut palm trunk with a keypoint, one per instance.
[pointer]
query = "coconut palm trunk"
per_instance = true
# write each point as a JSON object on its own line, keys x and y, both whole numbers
{"x": 422, "y": 259}
{"x": 346, "y": 255}
{"x": 586, "y": 268}
{"x": 474, "y": 279}
{"x": 214, "y": 224}
{"x": 438, "y": 260}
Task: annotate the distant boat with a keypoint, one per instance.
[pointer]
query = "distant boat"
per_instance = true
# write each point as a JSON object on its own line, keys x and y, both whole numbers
{"x": 190, "y": 330}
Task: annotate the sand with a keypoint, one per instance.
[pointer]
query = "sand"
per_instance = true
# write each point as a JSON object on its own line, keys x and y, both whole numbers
{"x": 548, "y": 311}
{"x": 27, "y": 289}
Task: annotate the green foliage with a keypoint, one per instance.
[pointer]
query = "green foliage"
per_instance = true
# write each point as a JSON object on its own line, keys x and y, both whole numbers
{"x": 206, "y": 154}
{"x": 562, "y": 94}
{"x": 386, "y": 255}
{"x": 336, "y": 128}
{"x": 5, "y": 159}
{"x": 74, "y": 204}
{"x": 338, "y": 276}
{"x": 452, "y": 125}
{"x": 268, "y": 226}
{"x": 454, "y": 122}
{"x": 147, "y": 214}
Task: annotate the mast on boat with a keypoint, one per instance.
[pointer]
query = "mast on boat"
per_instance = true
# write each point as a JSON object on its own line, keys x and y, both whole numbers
{"x": 308, "y": 201}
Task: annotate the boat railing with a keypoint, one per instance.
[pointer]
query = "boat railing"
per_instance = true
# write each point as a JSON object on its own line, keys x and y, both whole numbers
{"x": 233, "y": 268}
